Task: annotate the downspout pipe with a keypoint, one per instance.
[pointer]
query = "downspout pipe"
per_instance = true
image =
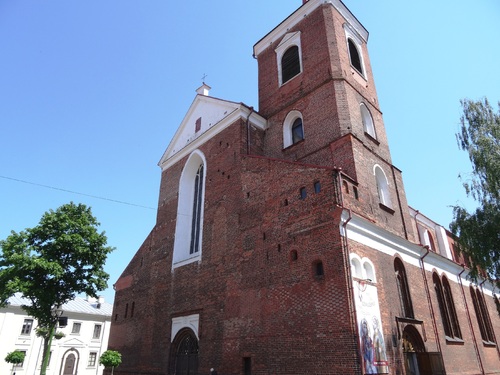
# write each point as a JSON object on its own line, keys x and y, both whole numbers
{"x": 429, "y": 301}
{"x": 474, "y": 339}
{"x": 248, "y": 129}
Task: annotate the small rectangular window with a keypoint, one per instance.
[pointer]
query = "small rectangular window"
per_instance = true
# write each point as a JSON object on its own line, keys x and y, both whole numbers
{"x": 27, "y": 327}
{"x": 303, "y": 193}
{"x": 92, "y": 359}
{"x": 97, "y": 331}
{"x": 317, "y": 187}
{"x": 76, "y": 328}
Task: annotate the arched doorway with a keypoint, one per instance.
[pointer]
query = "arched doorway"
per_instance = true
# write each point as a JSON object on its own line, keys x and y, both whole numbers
{"x": 412, "y": 345}
{"x": 69, "y": 365}
{"x": 184, "y": 353}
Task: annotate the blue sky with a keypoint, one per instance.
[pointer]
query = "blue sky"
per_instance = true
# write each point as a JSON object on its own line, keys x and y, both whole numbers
{"x": 91, "y": 92}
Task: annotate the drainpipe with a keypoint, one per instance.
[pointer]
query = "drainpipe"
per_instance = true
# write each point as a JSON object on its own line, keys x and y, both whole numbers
{"x": 248, "y": 129}
{"x": 429, "y": 301}
{"x": 347, "y": 267}
{"x": 399, "y": 203}
{"x": 474, "y": 340}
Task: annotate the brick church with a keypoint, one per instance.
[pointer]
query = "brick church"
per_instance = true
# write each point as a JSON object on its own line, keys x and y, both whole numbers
{"x": 284, "y": 243}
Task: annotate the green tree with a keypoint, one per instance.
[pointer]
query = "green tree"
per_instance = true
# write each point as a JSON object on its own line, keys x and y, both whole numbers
{"x": 111, "y": 358}
{"x": 16, "y": 357}
{"x": 479, "y": 232}
{"x": 63, "y": 256}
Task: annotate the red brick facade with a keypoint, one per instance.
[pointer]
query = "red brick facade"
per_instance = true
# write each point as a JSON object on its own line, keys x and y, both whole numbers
{"x": 272, "y": 288}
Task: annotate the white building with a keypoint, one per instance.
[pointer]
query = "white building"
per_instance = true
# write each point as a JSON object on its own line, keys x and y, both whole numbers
{"x": 78, "y": 352}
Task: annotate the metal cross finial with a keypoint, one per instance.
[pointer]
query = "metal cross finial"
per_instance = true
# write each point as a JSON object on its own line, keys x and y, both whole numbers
{"x": 203, "y": 78}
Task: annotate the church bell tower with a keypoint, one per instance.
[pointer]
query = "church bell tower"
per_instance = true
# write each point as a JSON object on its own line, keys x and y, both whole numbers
{"x": 316, "y": 89}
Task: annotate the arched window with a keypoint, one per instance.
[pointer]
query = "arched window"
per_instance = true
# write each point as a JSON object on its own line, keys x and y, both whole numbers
{"x": 290, "y": 64}
{"x": 289, "y": 58}
{"x": 367, "y": 119}
{"x": 293, "y": 129}
{"x": 189, "y": 224}
{"x": 438, "y": 287}
{"x": 452, "y": 313}
{"x": 483, "y": 319}
{"x": 382, "y": 187}
{"x": 355, "y": 56}
{"x": 403, "y": 289}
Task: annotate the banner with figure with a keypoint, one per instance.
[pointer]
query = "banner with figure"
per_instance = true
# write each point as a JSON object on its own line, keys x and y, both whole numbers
{"x": 370, "y": 328}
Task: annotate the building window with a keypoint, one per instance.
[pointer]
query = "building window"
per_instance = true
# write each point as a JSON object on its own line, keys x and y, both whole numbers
{"x": 446, "y": 307}
{"x": 403, "y": 289}
{"x": 293, "y": 129}
{"x": 382, "y": 187}
{"x": 483, "y": 318}
{"x": 290, "y": 64}
{"x": 367, "y": 120}
{"x": 355, "y": 56}
{"x": 288, "y": 54}
{"x": 317, "y": 187}
{"x": 318, "y": 269}
{"x": 196, "y": 217}
{"x": 448, "y": 297}
{"x": 303, "y": 193}
{"x": 92, "y": 359}
{"x": 27, "y": 327}
{"x": 97, "y": 331}
{"x": 76, "y": 328}
{"x": 189, "y": 224}
{"x": 297, "y": 131}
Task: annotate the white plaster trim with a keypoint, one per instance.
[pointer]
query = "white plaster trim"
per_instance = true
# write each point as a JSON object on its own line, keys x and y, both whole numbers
{"x": 369, "y": 234}
{"x": 241, "y": 112}
{"x": 189, "y": 321}
{"x": 302, "y": 12}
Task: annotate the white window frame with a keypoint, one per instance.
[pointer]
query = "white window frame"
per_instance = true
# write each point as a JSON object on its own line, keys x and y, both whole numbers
{"x": 367, "y": 119}
{"x": 289, "y": 40}
{"x": 350, "y": 33}
{"x": 182, "y": 241}
{"x": 382, "y": 186}
{"x": 287, "y": 127}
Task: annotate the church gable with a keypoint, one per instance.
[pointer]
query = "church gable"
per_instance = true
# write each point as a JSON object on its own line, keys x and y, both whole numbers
{"x": 204, "y": 114}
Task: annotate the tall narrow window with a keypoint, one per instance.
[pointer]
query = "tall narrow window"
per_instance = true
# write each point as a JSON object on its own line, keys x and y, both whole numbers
{"x": 355, "y": 56}
{"x": 442, "y": 305}
{"x": 367, "y": 119}
{"x": 189, "y": 222}
{"x": 290, "y": 64}
{"x": 196, "y": 219}
{"x": 382, "y": 187}
{"x": 97, "y": 331}
{"x": 293, "y": 128}
{"x": 92, "y": 359}
{"x": 450, "y": 304}
{"x": 288, "y": 57}
{"x": 403, "y": 289}
{"x": 482, "y": 316}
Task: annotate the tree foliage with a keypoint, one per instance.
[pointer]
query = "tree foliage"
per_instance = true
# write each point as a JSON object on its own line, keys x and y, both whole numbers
{"x": 61, "y": 257}
{"x": 111, "y": 358}
{"x": 479, "y": 232}
{"x": 16, "y": 357}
